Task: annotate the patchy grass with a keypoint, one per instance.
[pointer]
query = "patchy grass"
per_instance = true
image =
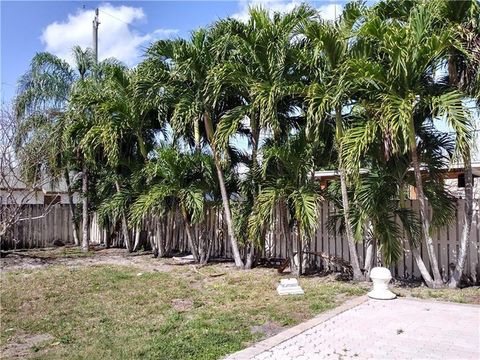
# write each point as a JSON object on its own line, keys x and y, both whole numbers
{"x": 115, "y": 312}
{"x": 107, "y": 305}
{"x": 470, "y": 295}
{"x": 58, "y": 253}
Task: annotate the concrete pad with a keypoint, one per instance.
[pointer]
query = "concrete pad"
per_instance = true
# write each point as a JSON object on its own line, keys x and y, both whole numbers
{"x": 376, "y": 329}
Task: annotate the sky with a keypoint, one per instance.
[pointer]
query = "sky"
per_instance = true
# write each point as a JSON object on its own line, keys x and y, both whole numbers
{"x": 126, "y": 27}
{"x": 125, "y": 31}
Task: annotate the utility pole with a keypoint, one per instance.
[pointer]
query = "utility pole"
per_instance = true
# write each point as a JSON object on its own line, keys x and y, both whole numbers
{"x": 85, "y": 226}
{"x": 95, "y": 36}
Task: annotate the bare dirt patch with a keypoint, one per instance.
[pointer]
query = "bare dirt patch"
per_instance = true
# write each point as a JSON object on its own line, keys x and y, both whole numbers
{"x": 182, "y": 305}
{"x": 474, "y": 299}
{"x": 268, "y": 329}
{"x": 22, "y": 345}
{"x": 70, "y": 257}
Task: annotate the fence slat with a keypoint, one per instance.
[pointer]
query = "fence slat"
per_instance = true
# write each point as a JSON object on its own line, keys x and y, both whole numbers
{"x": 56, "y": 224}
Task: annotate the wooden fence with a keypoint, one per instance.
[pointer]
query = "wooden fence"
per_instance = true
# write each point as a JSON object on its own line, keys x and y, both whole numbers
{"x": 41, "y": 227}
{"x": 57, "y": 225}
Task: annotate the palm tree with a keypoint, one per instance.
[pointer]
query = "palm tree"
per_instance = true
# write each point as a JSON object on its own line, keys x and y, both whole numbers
{"x": 177, "y": 181}
{"x": 463, "y": 64}
{"x": 292, "y": 191}
{"x": 261, "y": 66}
{"x": 397, "y": 80}
{"x": 330, "y": 46}
{"x": 122, "y": 127}
{"x": 44, "y": 93}
{"x": 85, "y": 62}
{"x": 189, "y": 63}
{"x": 379, "y": 196}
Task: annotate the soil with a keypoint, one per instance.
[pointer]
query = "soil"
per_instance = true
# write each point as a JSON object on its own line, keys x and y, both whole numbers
{"x": 182, "y": 305}
{"x": 268, "y": 329}
{"x": 24, "y": 345}
{"x": 37, "y": 259}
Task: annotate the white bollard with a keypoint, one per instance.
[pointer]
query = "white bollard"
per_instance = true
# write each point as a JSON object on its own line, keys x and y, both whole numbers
{"x": 381, "y": 277}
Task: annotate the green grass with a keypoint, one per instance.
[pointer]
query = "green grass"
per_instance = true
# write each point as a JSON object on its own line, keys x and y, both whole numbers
{"x": 110, "y": 312}
{"x": 115, "y": 312}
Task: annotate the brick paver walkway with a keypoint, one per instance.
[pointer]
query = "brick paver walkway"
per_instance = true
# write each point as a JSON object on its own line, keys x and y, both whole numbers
{"x": 396, "y": 329}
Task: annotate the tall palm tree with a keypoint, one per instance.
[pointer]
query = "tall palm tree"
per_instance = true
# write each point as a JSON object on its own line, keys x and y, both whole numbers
{"x": 397, "y": 79}
{"x": 463, "y": 73}
{"x": 43, "y": 96}
{"x": 330, "y": 46}
{"x": 379, "y": 196}
{"x": 85, "y": 60}
{"x": 189, "y": 63}
{"x": 260, "y": 65}
{"x": 122, "y": 127}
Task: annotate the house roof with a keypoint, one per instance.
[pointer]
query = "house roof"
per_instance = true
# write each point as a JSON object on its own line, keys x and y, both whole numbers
{"x": 451, "y": 171}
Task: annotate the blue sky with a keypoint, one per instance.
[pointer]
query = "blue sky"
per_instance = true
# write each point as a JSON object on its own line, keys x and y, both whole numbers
{"x": 126, "y": 28}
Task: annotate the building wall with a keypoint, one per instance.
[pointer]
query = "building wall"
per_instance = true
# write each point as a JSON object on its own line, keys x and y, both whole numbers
{"x": 34, "y": 198}
{"x": 459, "y": 193}
{"x": 21, "y": 197}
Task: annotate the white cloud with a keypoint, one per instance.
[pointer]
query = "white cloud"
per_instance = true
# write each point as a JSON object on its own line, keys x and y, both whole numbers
{"x": 330, "y": 11}
{"x": 116, "y": 38}
{"x": 327, "y": 12}
{"x": 272, "y": 6}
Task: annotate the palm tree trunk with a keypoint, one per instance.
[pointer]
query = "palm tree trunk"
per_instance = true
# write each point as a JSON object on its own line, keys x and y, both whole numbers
{"x": 423, "y": 269}
{"x": 209, "y": 250}
{"x": 255, "y": 138}
{"x": 416, "y": 254}
{"x": 299, "y": 249}
{"x": 369, "y": 242}
{"x": 228, "y": 215}
{"x": 200, "y": 243}
{"x": 288, "y": 238}
{"x": 196, "y": 130}
{"x": 190, "y": 236}
{"x": 437, "y": 278}
{"x": 136, "y": 243}
{"x": 160, "y": 235}
{"x": 71, "y": 206}
{"x": 467, "y": 225}
{"x": 223, "y": 190}
{"x": 126, "y": 233}
{"x": 250, "y": 256}
{"x": 153, "y": 245}
{"x": 85, "y": 233}
{"x": 106, "y": 237}
{"x": 357, "y": 273}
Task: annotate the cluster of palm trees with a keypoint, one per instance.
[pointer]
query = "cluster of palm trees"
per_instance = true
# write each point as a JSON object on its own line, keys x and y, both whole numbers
{"x": 364, "y": 90}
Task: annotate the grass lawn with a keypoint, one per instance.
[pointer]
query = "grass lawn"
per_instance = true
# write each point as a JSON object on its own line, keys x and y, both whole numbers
{"x": 62, "y": 304}
{"x": 118, "y": 312}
